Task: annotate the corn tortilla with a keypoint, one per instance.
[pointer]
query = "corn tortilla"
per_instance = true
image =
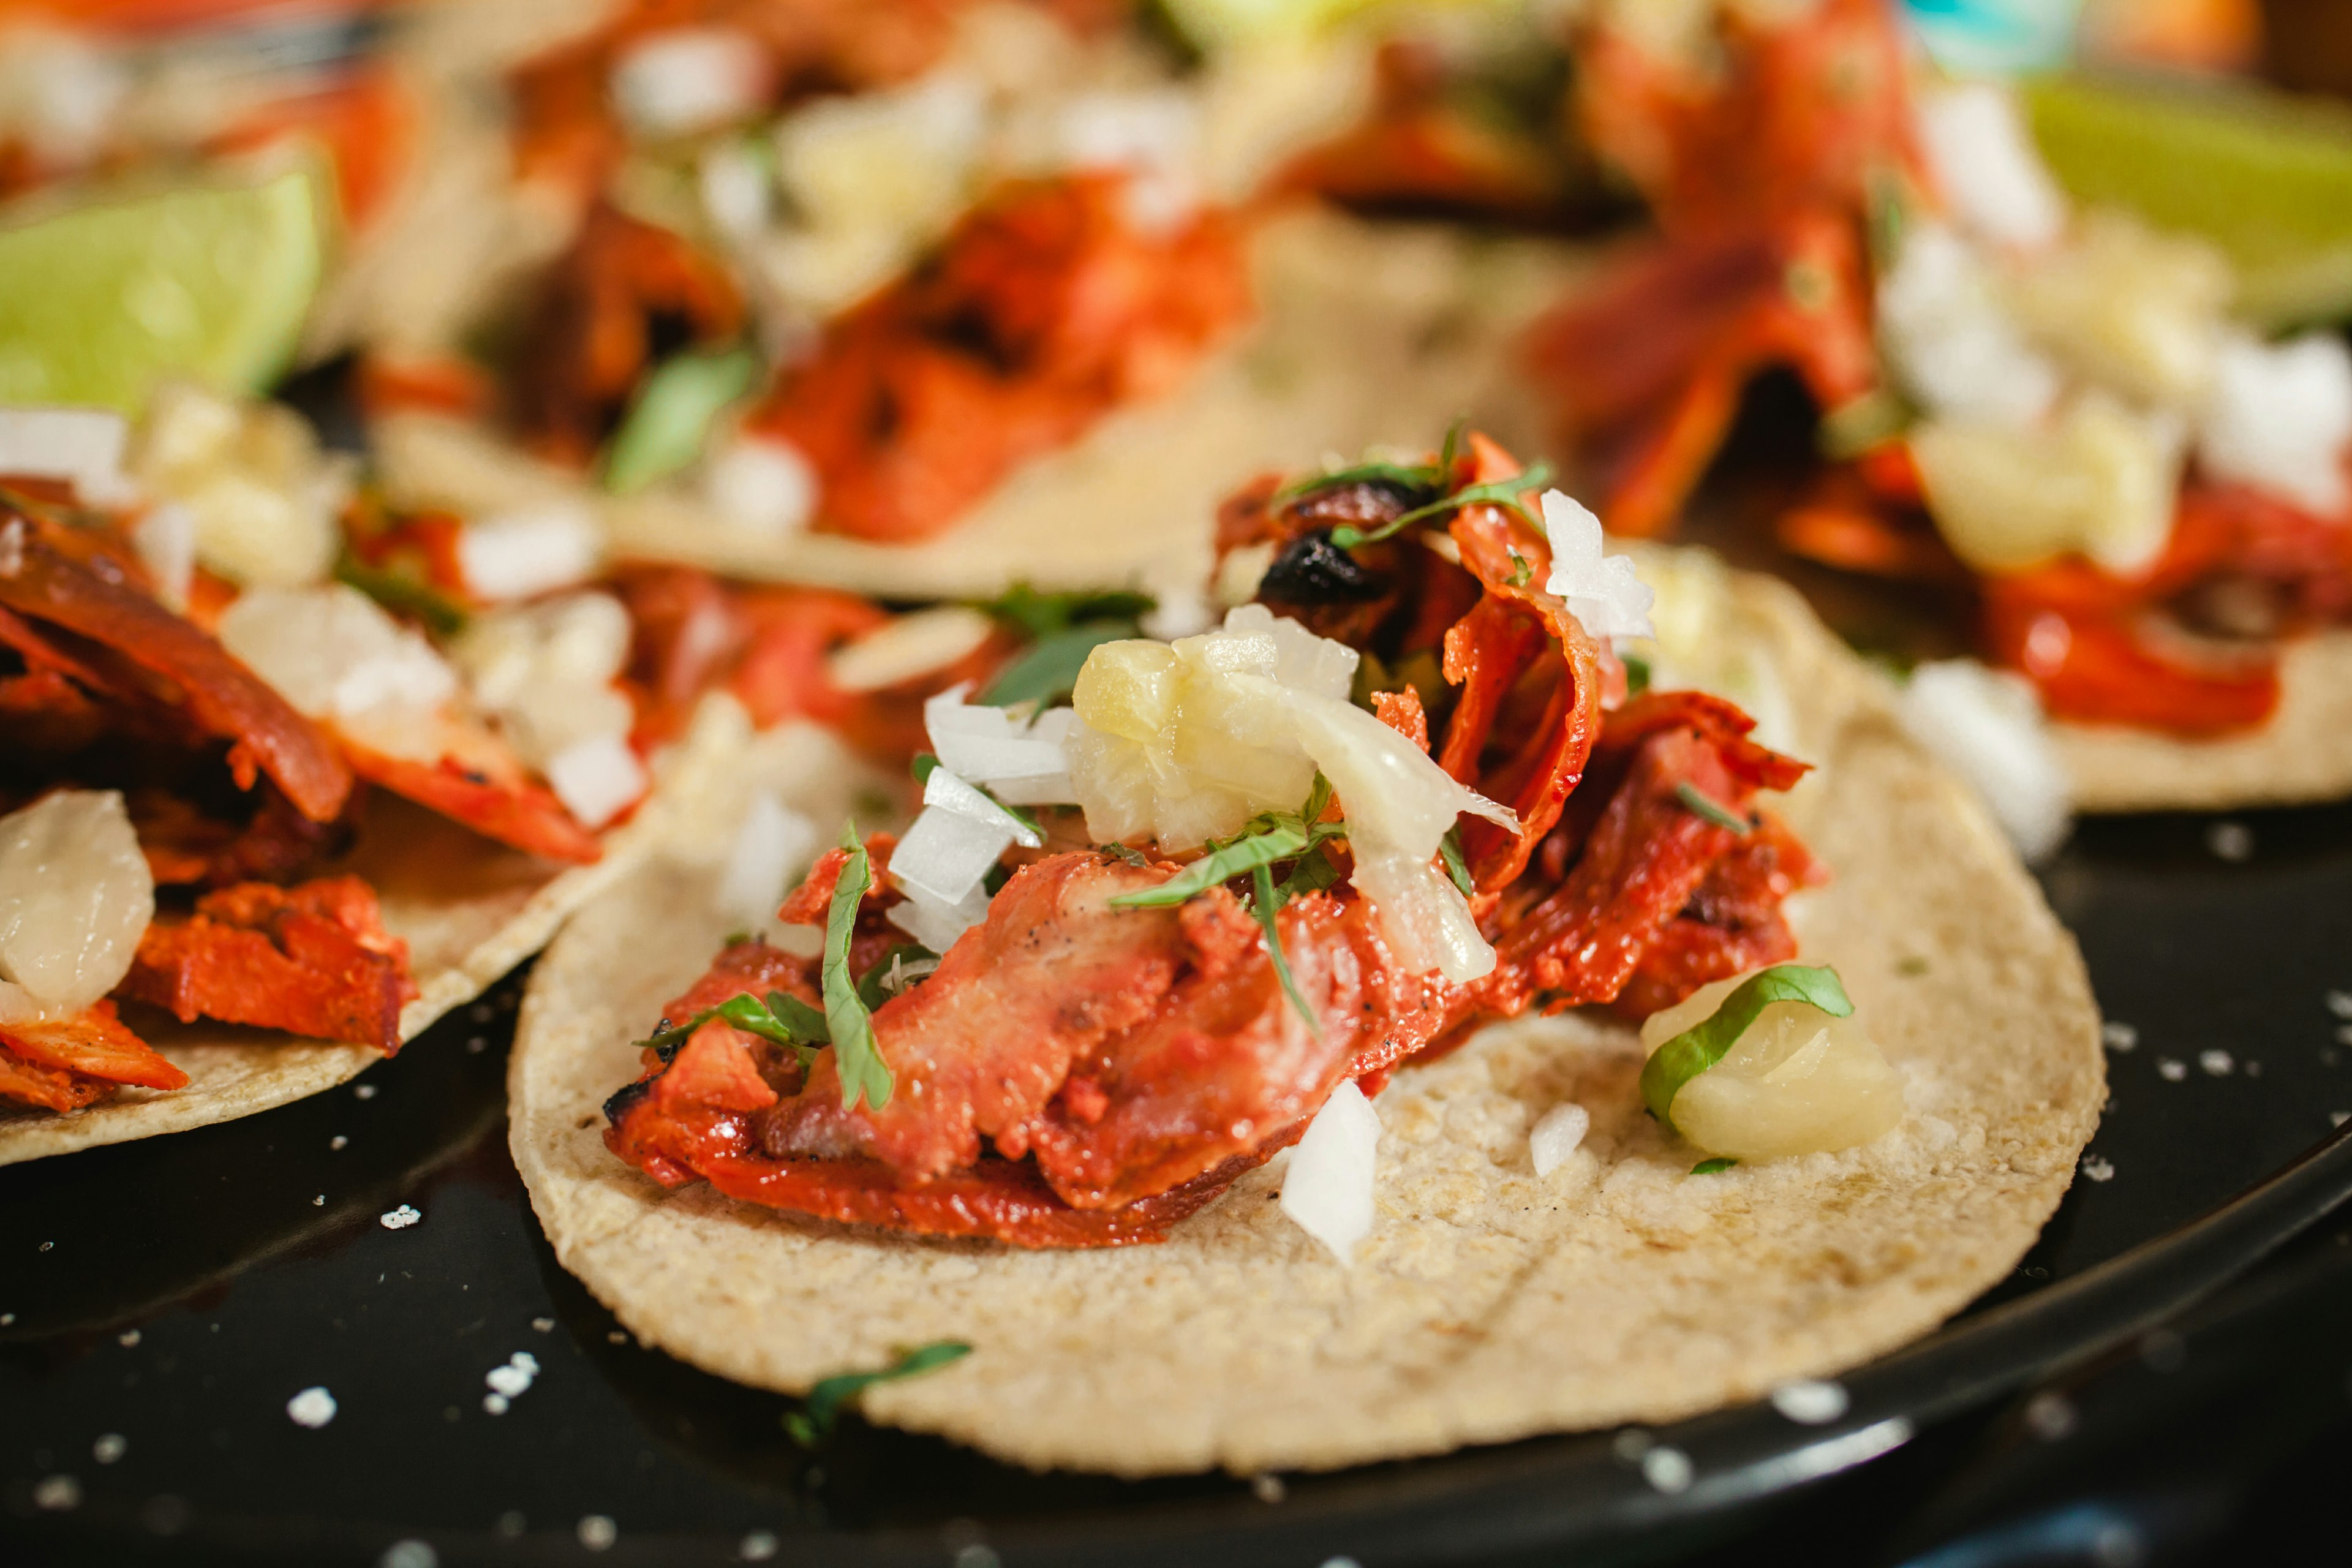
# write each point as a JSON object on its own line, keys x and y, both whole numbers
{"x": 1486, "y": 1304}
{"x": 469, "y": 910}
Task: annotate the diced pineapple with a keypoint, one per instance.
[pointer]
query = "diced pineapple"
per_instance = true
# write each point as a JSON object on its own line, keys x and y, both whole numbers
{"x": 2101, "y": 481}
{"x": 1797, "y": 1082}
{"x": 2127, "y": 306}
{"x": 1129, "y": 689}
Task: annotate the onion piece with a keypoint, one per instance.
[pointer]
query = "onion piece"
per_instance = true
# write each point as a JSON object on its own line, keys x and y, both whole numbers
{"x": 946, "y": 792}
{"x": 934, "y": 923}
{"x": 1557, "y": 1134}
{"x": 517, "y": 555}
{"x": 770, "y": 843}
{"x": 75, "y": 897}
{"x": 945, "y": 854}
{"x": 333, "y": 653}
{"x": 596, "y": 779}
{"x": 984, "y": 745}
{"x": 1986, "y": 726}
{"x": 83, "y": 447}
{"x": 1328, "y": 1191}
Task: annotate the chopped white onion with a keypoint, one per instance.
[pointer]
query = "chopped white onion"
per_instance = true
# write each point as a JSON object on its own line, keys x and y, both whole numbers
{"x": 945, "y": 791}
{"x": 761, "y": 484}
{"x": 934, "y": 923}
{"x": 166, "y": 542}
{"x": 772, "y": 843}
{"x": 1555, "y": 1135}
{"x": 734, "y": 187}
{"x": 945, "y": 854}
{"x": 2279, "y": 417}
{"x": 268, "y": 500}
{"x": 1327, "y": 1190}
{"x": 1955, "y": 346}
{"x": 1603, "y": 592}
{"x": 83, "y": 447}
{"x": 983, "y": 744}
{"x": 516, "y": 555}
{"x": 1984, "y": 158}
{"x": 909, "y": 646}
{"x": 597, "y": 778}
{"x": 687, "y": 79}
{"x": 75, "y": 897}
{"x": 333, "y": 653}
{"x": 1986, "y": 726}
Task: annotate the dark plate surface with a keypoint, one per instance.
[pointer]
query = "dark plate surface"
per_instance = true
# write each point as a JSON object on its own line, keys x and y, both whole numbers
{"x": 164, "y": 1300}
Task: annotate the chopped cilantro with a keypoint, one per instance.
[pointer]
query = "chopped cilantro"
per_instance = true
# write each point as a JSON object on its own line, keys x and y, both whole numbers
{"x": 1637, "y": 673}
{"x": 1503, "y": 493}
{"x": 857, "y": 1056}
{"x": 814, "y": 1420}
{"x": 404, "y": 595}
{"x": 1521, "y": 572}
{"x": 1449, "y": 849}
{"x": 1265, "y": 907}
{"x": 1048, "y": 671}
{"x": 895, "y": 971}
{"x": 1698, "y": 802}
{"x": 1250, "y": 852}
{"x": 1709, "y": 1167}
{"x": 923, "y": 764}
{"x": 783, "y": 1018}
{"x": 1131, "y": 856}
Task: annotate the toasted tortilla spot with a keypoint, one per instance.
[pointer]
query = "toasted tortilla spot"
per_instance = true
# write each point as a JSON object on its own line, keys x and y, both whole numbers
{"x": 2304, "y": 753}
{"x": 1486, "y": 1304}
{"x": 469, "y": 910}
{"x": 1370, "y": 334}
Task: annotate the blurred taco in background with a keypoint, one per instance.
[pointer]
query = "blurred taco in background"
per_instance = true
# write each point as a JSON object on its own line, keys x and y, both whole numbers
{"x": 1375, "y": 879}
{"x": 2061, "y": 340}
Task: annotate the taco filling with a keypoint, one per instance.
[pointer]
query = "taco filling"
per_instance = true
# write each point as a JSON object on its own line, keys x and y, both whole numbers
{"x": 1132, "y": 948}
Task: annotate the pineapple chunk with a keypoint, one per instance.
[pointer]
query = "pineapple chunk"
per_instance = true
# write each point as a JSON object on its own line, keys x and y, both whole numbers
{"x": 1797, "y": 1082}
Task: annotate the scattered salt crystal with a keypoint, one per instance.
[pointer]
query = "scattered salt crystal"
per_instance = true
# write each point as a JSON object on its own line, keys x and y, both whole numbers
{"x": 2216, "y": 1063}
{"x": 2098, "y": 1168}
{"x": 365, "y": 1091}
{"x": 337, "y": 1141}
{"x": 476, "y": 1044}
{"x": 2171, "y": 1071}
{"x": 511, "y": 1524}
{"x": 2049, "y": 1416}
{"x": 1555, "y": 1135}
{"x": 1328, "y": 1562}
{"x": 2253, "y": 1068}
{"x": 481, "y": 1012}
{"x": 615, "y": 1337}
{"x": 1810, "y": 1401}
{"x": 1267, "y": 1488}
{"x": 2340, "y": 1003}
{"x": 1667, "y": 1470}
{"x": 2231, "y": 841}
{"x": 544, "y": 1325}
{"x": 6, "y": 1318}
{"x": 409, "y": 1553}
{"x": 2119, "y": 1037}
{"x": 399, "y": 1218}
{"x": 127, "y": 1338}
{"x": 514, "y": 1378}
{"x": 495, "y": 1403}
{"x": 597, "y": 1532}
{"x": 109, "y": 1447}
{"x": 313, "y": 1407}
{"x": 319, "y": 1202}
{"x": 57, "y": 1493}
{"x": 2338, "y": 1118}
{"x": 758, "y": 1546}
{"x": 1632, "y": 1443}
{"x": 2343, "y": 1034}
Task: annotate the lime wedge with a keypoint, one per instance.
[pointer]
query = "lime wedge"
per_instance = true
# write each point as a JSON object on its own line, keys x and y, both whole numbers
{"x": 101, "y": 302}
{"x": 2266, "y": 178}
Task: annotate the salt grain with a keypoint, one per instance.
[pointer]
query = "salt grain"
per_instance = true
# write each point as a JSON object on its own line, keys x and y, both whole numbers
{"x": 57, "y": 1493}
{"x": 2340, "y": 1003}
{"x": 1810, "y": 1402}
{"x": 337, "y": 1141}
{"x": 399, "y": 1218}
{"x": 2171, "y": 1071}
{"x": 2343, "y": 1034}
{"x": 128, "y": 1338}
{"x": 365, "y": 1091}
{"x": 409, "y": 1554}
{"x": 2119, "y": 1037}
{"x": 2049, "y": 1416}
{"x": 511, "y": 1524}
{"x": 757, "y": 1547}
{"x": 2338, "y": 1118}
{"x": 1667, "y": 1470}
{"x": 1267, "y": 1488}
{"x": 2231, "y": 841}
{"x": 2216, "y": 1063}
{"x": 977, "y": 1556}
{"x": 2097, "y": 1169}
{"x": 476, "y": 1044}
{"x": 495, "y": 1403}
{"x": 544, "y": 1325}
{"x": 109, "y": 1447}
{"x": 597, "y": 1532}
{"x": 481, "y": 1012}
{"x": 319, "y": 1202}
{"x": 313, "y": 1407}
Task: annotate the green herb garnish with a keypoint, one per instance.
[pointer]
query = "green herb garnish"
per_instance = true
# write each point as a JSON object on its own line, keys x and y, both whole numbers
{"x": 1449, "y": 849}
{"x": 1522, "y": 573}
{"x": 1237, "y": 858}
{"x": 810, "y": 1424}
{"x": 668, "y": 424}
{"x": 1698, "y": 802}
{"x": 441, "y": 614}
{"x": 922, "y": 765}
{"x": 1700, "y": 1047}
{"x": 1062, "y": 629}
{"x": 1131, "y": 856}
{"x": 783, "y": 1018}
{"x": 1709, "y": 1167}
{"x": 1637, "y": 673}
{"x": 1266, "y": 906}
{"x": 1503, "y": 493}
{"x": 856, "y": 1056}
{"x": 889, "y": 975}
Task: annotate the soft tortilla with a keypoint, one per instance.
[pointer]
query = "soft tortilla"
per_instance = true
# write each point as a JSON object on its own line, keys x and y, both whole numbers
{"x": 1368, "y": 334}
{"x": 2302, "y": 755}
{"x": 469, "y": 910}
{"x": 1486, "y": 1304}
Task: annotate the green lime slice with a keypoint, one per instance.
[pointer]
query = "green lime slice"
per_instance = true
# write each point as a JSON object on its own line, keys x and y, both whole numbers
{"x": 99, "y": 303}
{"x": 2266, "y": 178}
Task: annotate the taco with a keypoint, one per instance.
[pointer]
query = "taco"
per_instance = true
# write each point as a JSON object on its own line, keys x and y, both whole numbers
{"x": 1040, "y": 1062}
{"x": 890, "y": 321}
{"x": 2076, "y": 428}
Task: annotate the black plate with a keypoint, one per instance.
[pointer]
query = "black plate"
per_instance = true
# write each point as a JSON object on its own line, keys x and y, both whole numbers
{"x": 167, "y": 1299}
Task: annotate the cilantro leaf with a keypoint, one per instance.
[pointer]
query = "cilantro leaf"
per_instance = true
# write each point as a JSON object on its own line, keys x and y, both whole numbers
{"x": 874, "y": 989}
{"x": 783, "y": 1018}
{"x": 1503, "y": 493}
{"x": 1637, "y": 673}
{"x": 810, "y": 1424}
{"x": 922, "y": 765}
{"x": 1710, "y": 1167}
{"x": 1700, "y": 1047}
{"x": 1040, "y": 616}
{"x": 1132, "y": 857}
{"x": 1266, "y": 906}
{"x": 1048, "y": 671}
{"x": 1449, "y": 849}
{"x": 1698, "y": 802}
{"x": 856, "y": 1056}
{"x": 1312, "y": 872}
{"x": 404, "y": 595}
{"x": 1418, "y": 478}
{"x": 1251, "y": 853}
